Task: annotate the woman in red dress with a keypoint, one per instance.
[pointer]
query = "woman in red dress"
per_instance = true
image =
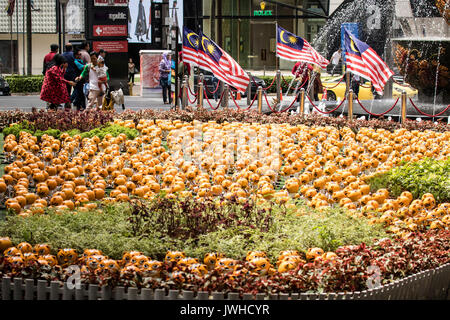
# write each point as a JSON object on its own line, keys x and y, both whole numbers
{"x": 54, "y": 90}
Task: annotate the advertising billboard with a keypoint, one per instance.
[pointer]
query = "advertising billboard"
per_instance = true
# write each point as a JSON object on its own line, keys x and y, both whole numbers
{"x": 139, "y": 18}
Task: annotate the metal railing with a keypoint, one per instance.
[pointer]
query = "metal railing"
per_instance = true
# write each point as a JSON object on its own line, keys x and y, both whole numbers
{"x": 430, "y": 284}
{"x": 298, "y": 95}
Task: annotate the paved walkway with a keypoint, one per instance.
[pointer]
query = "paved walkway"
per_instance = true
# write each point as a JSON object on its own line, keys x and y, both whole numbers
{"x": 26, "y": 103}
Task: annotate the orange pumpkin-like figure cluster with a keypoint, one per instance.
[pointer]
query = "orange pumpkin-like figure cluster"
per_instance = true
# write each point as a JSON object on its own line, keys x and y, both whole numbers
{"x": 94, "y": 261}
{"x": 323, "y": 165}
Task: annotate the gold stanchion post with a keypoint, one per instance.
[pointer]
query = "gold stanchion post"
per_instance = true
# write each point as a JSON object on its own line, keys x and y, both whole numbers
{"x": 260, "y": 99}
{"x": 350, "y": 104}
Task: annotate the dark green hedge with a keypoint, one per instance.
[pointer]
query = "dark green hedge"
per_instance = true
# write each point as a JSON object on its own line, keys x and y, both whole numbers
{"x": 284, "y": 84}
{"x": 25, "y": 84}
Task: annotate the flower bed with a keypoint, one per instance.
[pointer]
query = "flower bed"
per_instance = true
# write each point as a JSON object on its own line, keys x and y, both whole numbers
{"x": 349, "y": 271}
{"x": 92, "y": 117}
{"x": 212, "y": 184}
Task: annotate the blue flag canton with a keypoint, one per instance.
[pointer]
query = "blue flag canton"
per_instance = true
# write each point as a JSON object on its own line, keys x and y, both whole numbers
{"x": 210, "y": 48}
{"x": 288, "y": 39}
{"x": 354, "y": 45}
{"x": 190, "y": 39}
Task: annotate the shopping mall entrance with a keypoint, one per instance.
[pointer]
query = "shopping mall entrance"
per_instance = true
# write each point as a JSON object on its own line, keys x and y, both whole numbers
{"x": 246, "y": 29}
{"x": 263, "y": 44}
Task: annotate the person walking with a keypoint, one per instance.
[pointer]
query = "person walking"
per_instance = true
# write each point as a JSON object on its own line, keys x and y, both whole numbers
{"x": 54, "y": 89}
{"x": 131, "y": 70}
{"x": 165, "y": 67}
{"x": 317, "y": 85}
{"x": 335, "y": 58}
{"x": 78, "y": 98}
{"x": 49, "y": 57}
{"x": 355, "y": 82}
{"x": 71, "y": 71}
{"x": 85, "y": 56}
{"x": 90, "y": 70}
{"x": 301, "y": 71}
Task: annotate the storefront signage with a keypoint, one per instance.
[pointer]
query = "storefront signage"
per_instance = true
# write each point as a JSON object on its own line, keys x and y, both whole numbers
{"x": 114, "y": 16}
{"x": 111, "y": 3}
{"x": 111, "y": 46}
{"x": 263, "y": 11}
{"x": 110, "y": 30}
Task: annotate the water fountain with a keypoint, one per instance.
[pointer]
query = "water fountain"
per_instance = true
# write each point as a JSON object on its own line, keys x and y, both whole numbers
{"x": 412, "y": 36}
{"x": 422, "y": 48}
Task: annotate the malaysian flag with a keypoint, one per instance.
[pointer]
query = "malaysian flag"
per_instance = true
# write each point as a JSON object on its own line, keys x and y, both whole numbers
{"x": 190, "y": 46}
{"x": 221, "y": 64}
{"x": 364, "y": 61}
{"x": 291, "y": 47}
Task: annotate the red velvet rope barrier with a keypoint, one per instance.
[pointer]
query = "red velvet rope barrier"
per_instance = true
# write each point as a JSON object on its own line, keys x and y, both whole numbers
{"x": 289, "y": 105}
{"x": 270, "y": 107}
{"x": 328, "y": 88}
{"x": 218, "y": 104}
{"x": 326, "y": 112}
{"x": 306, "y": 80}
{"x": 194, "y": 94}
{"x": 377, "y": 114}
{"x": 246, "y": 109}
{"x": 187, "y": 94}
{"x": 270, "y": 86}
{"x": 284, "y": 80}
{"x": 426, "y": 114}
{"x": 206, "y": 87}
{"x": 267, "y": 101}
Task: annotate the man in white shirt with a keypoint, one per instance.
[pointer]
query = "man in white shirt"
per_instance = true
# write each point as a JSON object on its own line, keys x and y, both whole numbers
{"x": 95, "y": 94}
{"x": 335, "y": 58}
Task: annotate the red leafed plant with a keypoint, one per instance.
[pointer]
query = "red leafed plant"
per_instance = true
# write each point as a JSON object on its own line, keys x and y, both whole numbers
{"x": 352, "y": 270}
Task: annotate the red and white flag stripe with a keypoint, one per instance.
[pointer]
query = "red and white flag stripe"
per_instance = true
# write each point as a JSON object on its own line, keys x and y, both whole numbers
{"x": 190, "y": 56}
{"x": 370, "y": 66}
{"x": 228, "y": 70}
{"x": 307, "y": 54}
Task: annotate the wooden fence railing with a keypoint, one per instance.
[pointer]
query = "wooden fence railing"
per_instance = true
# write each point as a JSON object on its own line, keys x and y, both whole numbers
{"x": 431, "y": 284}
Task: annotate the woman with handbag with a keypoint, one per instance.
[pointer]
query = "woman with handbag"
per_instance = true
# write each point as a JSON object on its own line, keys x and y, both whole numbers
{"x": 165, "y": 67}
{"x": 54, "y": 90}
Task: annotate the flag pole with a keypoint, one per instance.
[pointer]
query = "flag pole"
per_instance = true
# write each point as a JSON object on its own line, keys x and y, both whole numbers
{"x": 12, "y": 46}
{"x": 277, "y": 59}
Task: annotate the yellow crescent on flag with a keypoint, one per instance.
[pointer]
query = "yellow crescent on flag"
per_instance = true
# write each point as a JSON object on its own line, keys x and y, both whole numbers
{"x": 281, "y": 37}
{"x": 189, "y": 39}
{"x": 352, "y": 45}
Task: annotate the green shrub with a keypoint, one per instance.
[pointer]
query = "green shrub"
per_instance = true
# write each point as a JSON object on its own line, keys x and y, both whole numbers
{"x": 284, "y": 84}
{"x": 30, "y": 128}
{"x": 25, "y": 84}
{"x": 111, "y": 232}
{"x": 426, "y": 176}
{"x": 15, "y": 129}
{"x": 113, "y": 129}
